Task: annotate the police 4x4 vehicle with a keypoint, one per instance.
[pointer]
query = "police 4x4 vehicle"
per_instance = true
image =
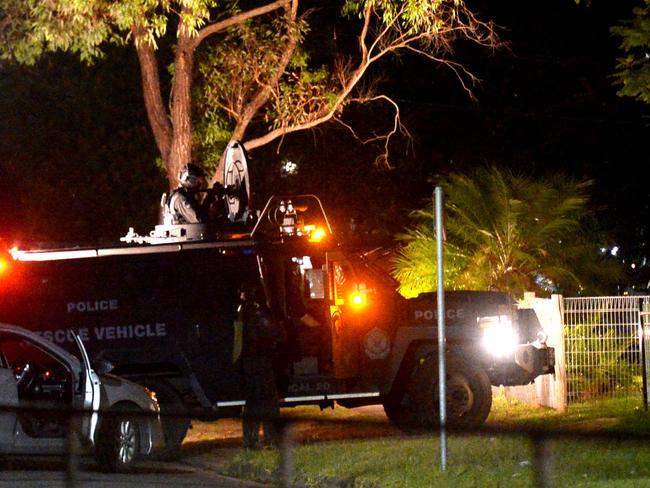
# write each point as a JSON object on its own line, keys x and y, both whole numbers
{"x": 161, "y": 308}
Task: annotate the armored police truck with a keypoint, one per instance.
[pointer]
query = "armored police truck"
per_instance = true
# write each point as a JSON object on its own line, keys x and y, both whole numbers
{"x": 163, "y": 308}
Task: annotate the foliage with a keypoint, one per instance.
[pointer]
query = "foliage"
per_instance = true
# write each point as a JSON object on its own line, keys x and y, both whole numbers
{"x": 417, "y": 264}
{"x": 505, "y": 232}
{"x": 256, "y": 78}
{"x": 599, "y": 362}
{"x": 232, "y": 71}
{"x": 633, "y": 69}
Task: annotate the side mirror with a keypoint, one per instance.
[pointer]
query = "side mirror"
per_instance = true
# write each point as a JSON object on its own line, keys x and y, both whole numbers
{"x": 102, "y": 366}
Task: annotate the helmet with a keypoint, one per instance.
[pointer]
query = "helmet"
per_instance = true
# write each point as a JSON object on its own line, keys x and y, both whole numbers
{"x": 191, "y": 177}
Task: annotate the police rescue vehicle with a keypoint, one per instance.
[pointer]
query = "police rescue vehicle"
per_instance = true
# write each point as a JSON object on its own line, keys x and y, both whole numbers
{"x": 161, "y": 309}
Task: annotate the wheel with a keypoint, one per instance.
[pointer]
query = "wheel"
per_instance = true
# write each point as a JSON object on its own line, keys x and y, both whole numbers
{"x": 400, "y": 413}
{"x": 469, "y": 393}
{"x": 118, "y": 442}
{"x": 173, "y": 416}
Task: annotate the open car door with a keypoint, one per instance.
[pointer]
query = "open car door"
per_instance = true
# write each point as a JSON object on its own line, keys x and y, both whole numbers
{"x": 8, "y": 404}
{"x": 89, "y": 400}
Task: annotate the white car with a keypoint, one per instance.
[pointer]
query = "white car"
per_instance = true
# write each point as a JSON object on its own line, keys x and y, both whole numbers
{"x": 46, "y": 393}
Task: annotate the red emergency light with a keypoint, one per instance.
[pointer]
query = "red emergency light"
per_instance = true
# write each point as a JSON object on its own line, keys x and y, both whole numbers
{"x": 6, "y": 263}
{"x": 6, "y": 258}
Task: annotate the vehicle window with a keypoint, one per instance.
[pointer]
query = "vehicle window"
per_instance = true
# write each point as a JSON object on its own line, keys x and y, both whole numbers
{"x": 18, "y": 351}
{"x": 341, "y": 276}
{"x": 316, "y": 283}
{"x": 306, "y": 287}
{"x": 39, "y": 375}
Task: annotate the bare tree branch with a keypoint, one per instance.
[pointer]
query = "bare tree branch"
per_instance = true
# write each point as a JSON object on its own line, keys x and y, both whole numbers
{"x": 451, "y": 22}
{"x": 222, "y": 25}
{"x": 265, "y": 91}
{"x": 386, "y": 138}
{"x": 364, "y": 32}
{"x": 458, "y": 68}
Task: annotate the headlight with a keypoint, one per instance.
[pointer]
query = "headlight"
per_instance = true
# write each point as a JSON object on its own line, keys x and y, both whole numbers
{"x": 499, "y": 337}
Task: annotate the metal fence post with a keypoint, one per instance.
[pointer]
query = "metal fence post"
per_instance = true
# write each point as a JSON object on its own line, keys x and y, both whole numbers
{"x": 72, "y": 448}
{"x": 286, "y": 456}
{"x": 441, "y": 329}
{"x": 542, "y": 453}
{"x": 643, "y": 324}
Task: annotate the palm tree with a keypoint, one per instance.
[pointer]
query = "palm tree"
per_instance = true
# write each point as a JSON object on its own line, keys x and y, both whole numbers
{"x": 505, "y": 232}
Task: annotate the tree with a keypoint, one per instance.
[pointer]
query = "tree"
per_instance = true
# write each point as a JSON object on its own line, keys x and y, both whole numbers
{"x": 506, "y": 232}
{"x": 633, "y": 69}
{"x": 253, "y": 62}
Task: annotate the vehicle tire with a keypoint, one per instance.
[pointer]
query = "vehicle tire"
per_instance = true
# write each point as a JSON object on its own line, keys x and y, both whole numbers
{"x": 400, "y": 413}
{"x": 118, "y": 442}
{"x": 469, "y": 393}
{"x": 174, "y": 418}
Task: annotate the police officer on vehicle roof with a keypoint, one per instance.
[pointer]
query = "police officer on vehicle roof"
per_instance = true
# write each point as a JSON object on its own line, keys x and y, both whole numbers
{"x": 183, "y": 204}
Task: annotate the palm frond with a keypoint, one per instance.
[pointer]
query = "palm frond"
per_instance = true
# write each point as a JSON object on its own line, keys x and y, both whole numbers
{"x": 506, "y": 232}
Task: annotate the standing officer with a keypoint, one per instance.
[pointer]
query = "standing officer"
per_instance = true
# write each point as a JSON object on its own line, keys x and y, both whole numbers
{"x": 261, "y": 337}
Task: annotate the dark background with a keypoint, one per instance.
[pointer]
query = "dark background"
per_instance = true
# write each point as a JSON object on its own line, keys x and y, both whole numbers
{"x": 76, "y": 153}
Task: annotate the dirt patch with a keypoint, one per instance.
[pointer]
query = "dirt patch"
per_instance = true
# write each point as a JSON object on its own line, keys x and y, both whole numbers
{"x": 216, "y": 445}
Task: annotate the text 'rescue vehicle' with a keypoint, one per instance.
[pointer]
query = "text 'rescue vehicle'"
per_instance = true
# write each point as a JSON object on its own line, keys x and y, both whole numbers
{"x": 162, "y": 309}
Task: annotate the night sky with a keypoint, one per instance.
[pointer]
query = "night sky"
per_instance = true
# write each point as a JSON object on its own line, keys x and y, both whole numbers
{"x": 545, "y": 104}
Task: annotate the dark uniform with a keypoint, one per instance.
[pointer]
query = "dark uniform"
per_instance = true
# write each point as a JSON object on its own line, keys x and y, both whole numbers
{"x": 262, "y": 337}
{"x": 183, "y": 206}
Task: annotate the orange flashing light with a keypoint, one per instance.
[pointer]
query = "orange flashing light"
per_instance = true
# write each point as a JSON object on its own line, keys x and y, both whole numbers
{"x": 358, "y": 297}
{"x": 317, "y": 236}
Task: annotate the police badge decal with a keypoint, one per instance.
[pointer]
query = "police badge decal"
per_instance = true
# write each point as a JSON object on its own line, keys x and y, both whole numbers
{"x": 376, "y": 344}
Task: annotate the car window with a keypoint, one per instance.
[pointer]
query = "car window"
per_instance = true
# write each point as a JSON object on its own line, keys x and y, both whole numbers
{"x": 38, "y": 373}
{"x": 19, "y": 351}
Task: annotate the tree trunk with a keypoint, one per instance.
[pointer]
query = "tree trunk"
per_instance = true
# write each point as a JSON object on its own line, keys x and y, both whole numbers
{"x": 153, "y": 101}
{"x": 181, "y": 105}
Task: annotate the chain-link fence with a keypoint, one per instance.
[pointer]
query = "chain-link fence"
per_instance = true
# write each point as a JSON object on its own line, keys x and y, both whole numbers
{"x": 603, "y": 346}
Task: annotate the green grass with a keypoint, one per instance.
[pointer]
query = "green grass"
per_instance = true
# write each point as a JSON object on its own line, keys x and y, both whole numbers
{"x": 493, "y": 460}
{"x": 472, "y": 462}
{"x": 613, "y": 415}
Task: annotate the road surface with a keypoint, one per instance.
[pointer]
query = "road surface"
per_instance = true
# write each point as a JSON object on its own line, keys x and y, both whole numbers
{"x": 35, "y": 472}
